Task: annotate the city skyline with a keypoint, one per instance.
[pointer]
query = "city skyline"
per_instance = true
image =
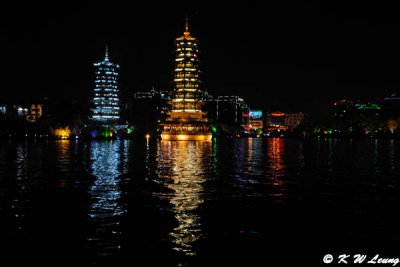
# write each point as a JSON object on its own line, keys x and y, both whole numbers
{"x": 322, "y": 51}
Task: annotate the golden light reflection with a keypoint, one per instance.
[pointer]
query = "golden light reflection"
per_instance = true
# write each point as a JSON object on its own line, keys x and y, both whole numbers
{"x": 63, "y": 158}
{"x": 276, "y": 148}
{"x": 185, "y": 179}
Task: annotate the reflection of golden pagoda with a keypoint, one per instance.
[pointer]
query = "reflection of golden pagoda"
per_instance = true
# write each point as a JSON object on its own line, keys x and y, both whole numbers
{"x": 186, "y": 120}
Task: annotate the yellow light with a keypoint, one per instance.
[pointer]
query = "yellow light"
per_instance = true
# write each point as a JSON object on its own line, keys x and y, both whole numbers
{"x": 182, "y": 137}
{"x": 186, "y": 137}
{"x": 147, "y": 136}
{"x": 62, "y": 133}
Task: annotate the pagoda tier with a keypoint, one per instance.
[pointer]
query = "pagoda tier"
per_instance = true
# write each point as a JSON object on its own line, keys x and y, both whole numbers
{"x": 186, "y": 119}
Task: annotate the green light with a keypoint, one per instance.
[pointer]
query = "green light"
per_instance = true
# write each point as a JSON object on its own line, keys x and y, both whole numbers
{"x": 330, "y": 131}
{"x": 106, "y": 133}
{"x": 130, "y": 129}
{"x": 213, "y": 129}
{"x": 368, "y": 106}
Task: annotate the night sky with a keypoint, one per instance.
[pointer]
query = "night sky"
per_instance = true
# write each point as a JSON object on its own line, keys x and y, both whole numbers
{"x": 279, "y": 55}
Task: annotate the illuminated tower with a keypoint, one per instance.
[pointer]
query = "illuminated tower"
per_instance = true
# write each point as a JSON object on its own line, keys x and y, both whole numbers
{"x": 106, "y": 101}
{"x": 186, "y": 120}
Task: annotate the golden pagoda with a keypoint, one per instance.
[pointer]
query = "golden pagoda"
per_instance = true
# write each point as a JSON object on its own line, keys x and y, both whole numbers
{"x": 186, "y": 120}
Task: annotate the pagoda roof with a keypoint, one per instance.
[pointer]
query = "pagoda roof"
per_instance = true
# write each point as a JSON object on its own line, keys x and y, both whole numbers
{"x": 186, "y": 33}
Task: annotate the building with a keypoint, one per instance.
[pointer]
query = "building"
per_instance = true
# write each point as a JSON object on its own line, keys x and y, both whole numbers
{"x": 276, "y": 121}
{"x": 22, "y": 111}
{"x": 369, "y": 109}
{"x": 293, "y": 120}
{"x": 35, "y": 112}
{"x": 343, "y": 108}
{"x": 3, "y": 109}
{"x": 391, "y": 106}
{"x": 145, "y": 94}
{"x": 106, "y": 103}
{"x": 149, "y": 109}
{"x": 256, "y": 121}
{"x": 231, "y": 110}
{"x": 186, "y": 120}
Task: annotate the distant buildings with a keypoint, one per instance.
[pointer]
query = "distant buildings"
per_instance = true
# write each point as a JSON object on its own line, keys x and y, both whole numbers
{"x": 35, "y": 112}
{"x": 106, "y": 103}
{"x": 190, "y": 112}
{"x": 368, "y": 117}
{"x": 343, "y": 108}
{"x": 276, "y": 121}
{"x": 280, "y": 121}
{"x": 229, "y": 110}
{"x": 149, "y": 108}
{"x": 391, "y": 106}
{"x": 30, "y": 113}
{"x": 293, "y": 120}
{"x": 256, "y": 120}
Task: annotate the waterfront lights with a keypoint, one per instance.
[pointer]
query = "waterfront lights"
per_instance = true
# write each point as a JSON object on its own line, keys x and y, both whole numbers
{"x": 62, "y": 133}
{"x": 93, "y": 134}
{"x": 107, "y": 133}
{"x": 186, "y": 137}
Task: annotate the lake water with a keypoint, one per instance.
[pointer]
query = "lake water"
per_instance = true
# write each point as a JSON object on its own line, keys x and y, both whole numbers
{"x": 252, "y": 202}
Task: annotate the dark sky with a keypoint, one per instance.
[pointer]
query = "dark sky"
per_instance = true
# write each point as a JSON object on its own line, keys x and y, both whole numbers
{"x": 278, "y": 55}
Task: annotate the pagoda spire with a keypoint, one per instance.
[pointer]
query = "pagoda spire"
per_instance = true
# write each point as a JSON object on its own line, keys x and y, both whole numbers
{"x": 186, "y": 33}
{"x": 106, "y": 54}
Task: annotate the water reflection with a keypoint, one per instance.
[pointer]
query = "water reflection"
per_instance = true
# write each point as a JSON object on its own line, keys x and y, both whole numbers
{"x": 276, "y": 148}
{"x": 20, "y": 202}
{"x": 181, "y": 169}
{"x": 254, "y": 156}
{"x": 276, "y": 164}
{"x": 63, "y": 160}
{"x": 106, "y": 208}
{"x": 28, "y": 161}
{"x": 392, "y": 156}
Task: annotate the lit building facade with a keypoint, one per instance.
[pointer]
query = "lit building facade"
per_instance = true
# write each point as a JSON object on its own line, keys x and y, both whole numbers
{"x": 186, "y": 120}
{"x": 35, "y": 112}
{"x": 106, "y": 103}
{"x": 293, "y": 120}
{"x": 276, "y": 121}
{"x": 343, "y": 108}
{"x": 3, "y": 109}
{"x": 232, "y": 110}
{"x": 256, "y": 121}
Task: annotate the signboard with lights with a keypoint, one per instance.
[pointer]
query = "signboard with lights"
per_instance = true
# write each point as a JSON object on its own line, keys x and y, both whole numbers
{"x": 255, "y": 114}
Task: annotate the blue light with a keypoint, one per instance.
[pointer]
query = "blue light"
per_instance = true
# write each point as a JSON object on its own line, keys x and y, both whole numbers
{"x": 255, "y": 114}
{"x": 93, "y": 133}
